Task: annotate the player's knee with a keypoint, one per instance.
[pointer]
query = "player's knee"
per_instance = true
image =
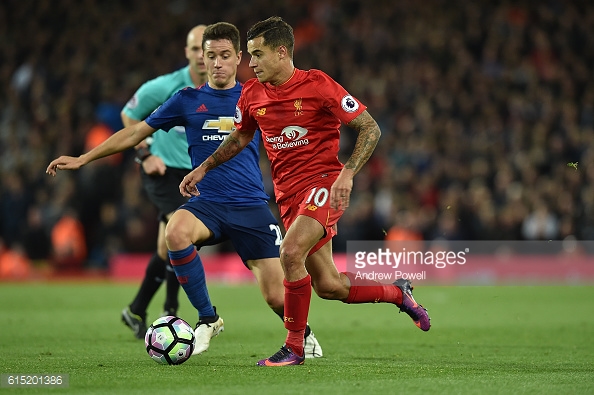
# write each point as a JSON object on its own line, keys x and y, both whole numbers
{"x": 176, "y": 237}
{"x": 292, "y": 255}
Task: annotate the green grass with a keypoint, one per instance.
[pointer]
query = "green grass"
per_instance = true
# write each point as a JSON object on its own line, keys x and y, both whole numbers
{"x": 532, "y": 340}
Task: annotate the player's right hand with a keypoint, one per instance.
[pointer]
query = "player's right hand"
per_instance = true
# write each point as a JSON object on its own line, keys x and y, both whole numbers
{"x": 64, "y": 163}
{"x": 188, "y": 185}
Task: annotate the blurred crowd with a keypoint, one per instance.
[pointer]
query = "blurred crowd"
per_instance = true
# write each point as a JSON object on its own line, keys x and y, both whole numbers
{"x": 486, "y": 110}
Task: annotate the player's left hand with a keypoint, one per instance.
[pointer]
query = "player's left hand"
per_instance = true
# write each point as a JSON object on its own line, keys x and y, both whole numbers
{"x": 340, "y": 192}
{"x": 64, "y": 163}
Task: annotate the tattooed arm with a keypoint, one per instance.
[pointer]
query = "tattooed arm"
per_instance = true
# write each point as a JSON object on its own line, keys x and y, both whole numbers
{"x": 231, "y": 146}
{"x": 368, "y": 136}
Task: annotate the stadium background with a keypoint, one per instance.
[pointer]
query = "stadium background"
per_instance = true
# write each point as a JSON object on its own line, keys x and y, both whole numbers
{"x": 486, "y": 109}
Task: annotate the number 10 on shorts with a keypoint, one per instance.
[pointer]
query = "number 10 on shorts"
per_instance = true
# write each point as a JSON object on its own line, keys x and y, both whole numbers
{"x": 318, "y": 197}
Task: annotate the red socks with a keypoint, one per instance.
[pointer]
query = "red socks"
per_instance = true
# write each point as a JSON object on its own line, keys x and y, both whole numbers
{"x": 297, "y": 299}
{"x": 369, "y": 291}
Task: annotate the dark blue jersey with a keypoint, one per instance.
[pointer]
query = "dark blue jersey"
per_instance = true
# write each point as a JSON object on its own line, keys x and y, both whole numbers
{"x": 207, "y": 115}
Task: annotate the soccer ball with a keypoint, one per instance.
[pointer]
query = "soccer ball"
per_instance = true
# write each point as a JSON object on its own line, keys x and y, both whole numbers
{"x": 170, "y": 340}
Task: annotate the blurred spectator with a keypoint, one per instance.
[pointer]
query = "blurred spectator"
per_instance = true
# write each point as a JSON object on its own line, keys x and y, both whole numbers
{"x": 69, "y": 248}
{"x": 107, "y": 236}
{"x": 540, "y": 224}
{"x": 14, "y": 263}
{"x": 405, "y": 228}
{"x": 36, "y": 238}
{"x": 14, "y": 201}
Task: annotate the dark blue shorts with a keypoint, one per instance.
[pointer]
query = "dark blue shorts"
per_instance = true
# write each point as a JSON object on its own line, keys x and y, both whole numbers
{"x": 253, "y": 230}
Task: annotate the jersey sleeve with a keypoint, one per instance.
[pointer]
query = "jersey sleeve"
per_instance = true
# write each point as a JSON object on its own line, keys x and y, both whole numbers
{"x": 338, "y": 101}
{"x": 169, "y": 115}
{"x": 242, "y": 119}
{"x": 146, "y": 99}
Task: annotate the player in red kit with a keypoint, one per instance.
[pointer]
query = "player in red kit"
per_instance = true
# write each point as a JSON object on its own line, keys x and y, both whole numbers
{"x": 299, "y": 114}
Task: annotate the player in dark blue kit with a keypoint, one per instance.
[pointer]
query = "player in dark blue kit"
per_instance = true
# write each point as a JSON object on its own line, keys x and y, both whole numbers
{"x": 161, "y": 164}
{"x": 230, "y": 206}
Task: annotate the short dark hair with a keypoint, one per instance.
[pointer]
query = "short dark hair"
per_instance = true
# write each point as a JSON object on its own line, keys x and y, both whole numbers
{"x": 222, "y": 31}
{"x": 275, "y": 31}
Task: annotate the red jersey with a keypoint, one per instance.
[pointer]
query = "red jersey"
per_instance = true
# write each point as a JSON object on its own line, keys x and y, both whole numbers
{"x": 300, "y": 122}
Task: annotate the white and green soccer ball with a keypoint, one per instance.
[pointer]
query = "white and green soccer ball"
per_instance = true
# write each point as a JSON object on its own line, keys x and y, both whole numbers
{"x": 170, "y": 340}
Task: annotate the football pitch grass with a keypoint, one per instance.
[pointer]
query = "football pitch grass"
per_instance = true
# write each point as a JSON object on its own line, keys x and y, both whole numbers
{"x": 487, "y": 339}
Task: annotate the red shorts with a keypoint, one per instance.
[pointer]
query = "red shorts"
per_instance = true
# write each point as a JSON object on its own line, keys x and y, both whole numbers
{"x": 314, "y": 202}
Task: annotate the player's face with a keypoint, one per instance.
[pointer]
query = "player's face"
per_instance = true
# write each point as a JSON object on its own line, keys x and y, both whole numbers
{"x": 264, "y": 61}
{"x": 221, "y": 62}
{"x": 194, "y": 52}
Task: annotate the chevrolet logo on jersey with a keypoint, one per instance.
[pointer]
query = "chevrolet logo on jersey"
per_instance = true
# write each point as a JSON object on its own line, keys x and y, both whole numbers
{"x": 223, "y": 126}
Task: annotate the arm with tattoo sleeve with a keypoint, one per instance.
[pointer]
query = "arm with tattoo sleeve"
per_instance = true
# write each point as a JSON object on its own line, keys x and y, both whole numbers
{"x": 369, "y": 134}
{"x": 367, "y": 139}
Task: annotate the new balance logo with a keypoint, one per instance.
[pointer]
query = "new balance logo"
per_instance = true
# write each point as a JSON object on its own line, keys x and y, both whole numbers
{"x": 202, "y": 108}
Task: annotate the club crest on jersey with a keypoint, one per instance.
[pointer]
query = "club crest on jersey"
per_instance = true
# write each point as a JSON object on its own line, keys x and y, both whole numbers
{"x": 349, "y": 104}
{"x": 237, "y": 117}
{"x": 298, "y": 104}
